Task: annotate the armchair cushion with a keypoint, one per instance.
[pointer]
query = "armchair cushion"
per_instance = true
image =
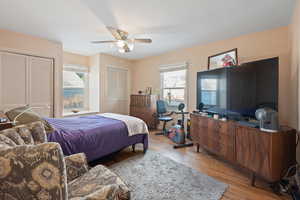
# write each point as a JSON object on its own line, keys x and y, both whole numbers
{"x": 13, "y": 135}
{"x": 38, "y": 132}
{"x": 5, "y": 142}
{"x": 99, "y": 183}
{"x": 33, "y": 133}
{"x": 76, "y": 166}
{"x": 33, "y": 172}
{"x": 25, "y": 134}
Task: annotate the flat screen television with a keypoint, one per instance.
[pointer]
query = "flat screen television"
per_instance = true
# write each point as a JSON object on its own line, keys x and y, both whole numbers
{"x": 239, "y": 90}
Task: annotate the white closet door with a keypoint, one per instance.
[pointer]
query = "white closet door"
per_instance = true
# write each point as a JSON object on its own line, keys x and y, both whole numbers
{"x": 41, "y": 85}
{"x": 13, "y": 83}
{"x": 117, "y": 90}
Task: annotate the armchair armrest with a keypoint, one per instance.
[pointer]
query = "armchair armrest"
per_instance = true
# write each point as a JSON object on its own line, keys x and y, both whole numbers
{"x": 33, "y": 172}
{"x": 76, "y": 165}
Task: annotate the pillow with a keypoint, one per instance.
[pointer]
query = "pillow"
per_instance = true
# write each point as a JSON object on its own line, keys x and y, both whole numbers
{"x": 13, "y": 135}
{"x": 27, "y": 117}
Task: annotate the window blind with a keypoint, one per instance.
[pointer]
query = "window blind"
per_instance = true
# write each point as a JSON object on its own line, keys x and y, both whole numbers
{"x": 173, "y": 67}
{"x": 117, "y": 83}
{"x": 76, "y": 68}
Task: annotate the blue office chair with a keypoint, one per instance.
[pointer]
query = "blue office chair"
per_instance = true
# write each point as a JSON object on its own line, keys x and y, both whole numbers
{"x": 163, "y": 115}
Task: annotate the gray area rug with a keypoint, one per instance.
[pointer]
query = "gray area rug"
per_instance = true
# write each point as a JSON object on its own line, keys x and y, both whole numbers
{"x": 154, "y": 176}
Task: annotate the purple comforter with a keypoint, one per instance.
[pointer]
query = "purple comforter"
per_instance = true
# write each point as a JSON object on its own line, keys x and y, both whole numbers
{"x": 94, "y": 135}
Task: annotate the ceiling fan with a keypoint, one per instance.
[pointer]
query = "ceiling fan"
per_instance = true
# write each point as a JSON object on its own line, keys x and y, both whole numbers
{"x": 122, "y": 41}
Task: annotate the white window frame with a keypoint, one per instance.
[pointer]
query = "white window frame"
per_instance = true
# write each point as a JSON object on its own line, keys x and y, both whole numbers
{"x": 175, "y": 67}
{"x": 82, "y": 69}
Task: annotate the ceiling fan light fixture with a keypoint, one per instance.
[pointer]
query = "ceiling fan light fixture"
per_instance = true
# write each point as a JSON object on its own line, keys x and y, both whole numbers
{"x": 120, "y": 43}
{"x": 130, "y": 45}
{"x": 121, "y": 50}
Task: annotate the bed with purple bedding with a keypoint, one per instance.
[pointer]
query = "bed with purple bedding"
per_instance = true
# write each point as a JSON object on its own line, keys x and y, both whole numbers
{"x": 95, "y": 135}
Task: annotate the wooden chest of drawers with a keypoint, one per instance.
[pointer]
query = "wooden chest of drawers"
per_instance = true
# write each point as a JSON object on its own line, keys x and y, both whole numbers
{"x": 267, "y": 155}
{"x": 144, "y": 107}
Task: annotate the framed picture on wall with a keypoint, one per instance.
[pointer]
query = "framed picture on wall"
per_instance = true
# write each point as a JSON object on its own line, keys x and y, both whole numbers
{"x": 224, "y": 59}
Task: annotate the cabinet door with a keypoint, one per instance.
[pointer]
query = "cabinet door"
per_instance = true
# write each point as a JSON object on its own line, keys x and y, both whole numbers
{"x": 220, "y": 139}
{"x": 226, "y": 140}
{"x": 40, "y": 78}
{"x": 13, "y": 84}
{"x": 212, "y": 135}
{"x": 252, "y": 150}
{"x": 195, "y": 128}
{"x": 204, "y": 131}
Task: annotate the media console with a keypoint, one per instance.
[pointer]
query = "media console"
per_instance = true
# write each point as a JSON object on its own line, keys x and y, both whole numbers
{"x": 266, "y": 155}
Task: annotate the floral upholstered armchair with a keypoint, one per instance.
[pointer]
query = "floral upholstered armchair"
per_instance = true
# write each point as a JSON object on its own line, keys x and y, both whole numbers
{"x": 32, "y": 168}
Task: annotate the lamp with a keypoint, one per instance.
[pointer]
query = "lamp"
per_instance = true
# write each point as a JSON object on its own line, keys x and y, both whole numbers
{"x": 121, "y": 50}
{"x": 120, "y": 43}
{"x": 125, "y": 45}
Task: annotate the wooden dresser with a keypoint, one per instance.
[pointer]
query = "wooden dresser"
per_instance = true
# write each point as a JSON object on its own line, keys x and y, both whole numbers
{"x": 267, "y": 155}
{"x": 144, "y": 107}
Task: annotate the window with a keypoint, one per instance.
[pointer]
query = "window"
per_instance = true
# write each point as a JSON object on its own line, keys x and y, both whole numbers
{"x": 209, "y": 89}
{"x": 173, "y": 86}
{"x": 75, "y": 88}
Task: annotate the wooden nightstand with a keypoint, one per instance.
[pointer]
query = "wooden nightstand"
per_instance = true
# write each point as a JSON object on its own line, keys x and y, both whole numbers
{"x": 6, "y": 125}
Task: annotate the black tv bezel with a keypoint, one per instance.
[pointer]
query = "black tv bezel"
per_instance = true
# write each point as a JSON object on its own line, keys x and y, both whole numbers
{"x": 236, "y": 66}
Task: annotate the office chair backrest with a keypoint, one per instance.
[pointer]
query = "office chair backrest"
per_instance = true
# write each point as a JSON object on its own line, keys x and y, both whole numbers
{"x": 161, "y": 107}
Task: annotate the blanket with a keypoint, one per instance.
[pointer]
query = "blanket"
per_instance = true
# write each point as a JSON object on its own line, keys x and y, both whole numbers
{"x": 134, "y": 125}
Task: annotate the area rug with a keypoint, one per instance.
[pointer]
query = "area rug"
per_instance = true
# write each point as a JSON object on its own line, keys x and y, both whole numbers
{"x": 154, "y": 176}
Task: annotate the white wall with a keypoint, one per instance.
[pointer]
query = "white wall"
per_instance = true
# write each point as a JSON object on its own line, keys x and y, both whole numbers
{"x": 295, "y": 63}
{"x": 94, "y": 87}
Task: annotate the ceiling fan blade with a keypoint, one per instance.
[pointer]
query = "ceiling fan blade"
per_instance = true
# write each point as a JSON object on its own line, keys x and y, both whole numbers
{"x": 117, "y": 33}
{"x": 103, "y": 42}
{"x": 143, "y": 40}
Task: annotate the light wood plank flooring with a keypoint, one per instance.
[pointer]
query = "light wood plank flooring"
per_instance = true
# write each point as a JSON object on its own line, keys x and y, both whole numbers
{"x": 238, "y": 181}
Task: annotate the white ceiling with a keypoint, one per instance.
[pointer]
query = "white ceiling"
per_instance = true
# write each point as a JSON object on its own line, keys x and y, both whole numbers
{"x": 172, "y": 24}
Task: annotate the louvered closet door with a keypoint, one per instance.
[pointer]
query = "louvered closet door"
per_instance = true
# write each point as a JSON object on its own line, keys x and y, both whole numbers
{"x": 40, "y": 85}
{"x": 13, "y": 81}
{"x": 117, "y": 90}
{"x": 26, "y": 80}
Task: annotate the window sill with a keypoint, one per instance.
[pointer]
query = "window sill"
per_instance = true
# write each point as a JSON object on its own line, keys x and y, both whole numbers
{"x": 86, "y": 112}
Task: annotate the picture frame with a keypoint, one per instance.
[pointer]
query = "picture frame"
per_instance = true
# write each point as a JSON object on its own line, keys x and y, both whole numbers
{"x": 224, "y": 59}
{"x": 149, "y": 90}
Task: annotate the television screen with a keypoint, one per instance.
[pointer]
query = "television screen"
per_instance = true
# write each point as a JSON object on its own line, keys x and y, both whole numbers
{"x": 239, "y": 89}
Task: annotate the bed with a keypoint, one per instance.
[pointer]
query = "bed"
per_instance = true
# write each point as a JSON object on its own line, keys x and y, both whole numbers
{"x": 96, "y": 135}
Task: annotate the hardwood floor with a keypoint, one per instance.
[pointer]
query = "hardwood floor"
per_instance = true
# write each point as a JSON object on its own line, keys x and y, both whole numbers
{"x": 239, "y": 182}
